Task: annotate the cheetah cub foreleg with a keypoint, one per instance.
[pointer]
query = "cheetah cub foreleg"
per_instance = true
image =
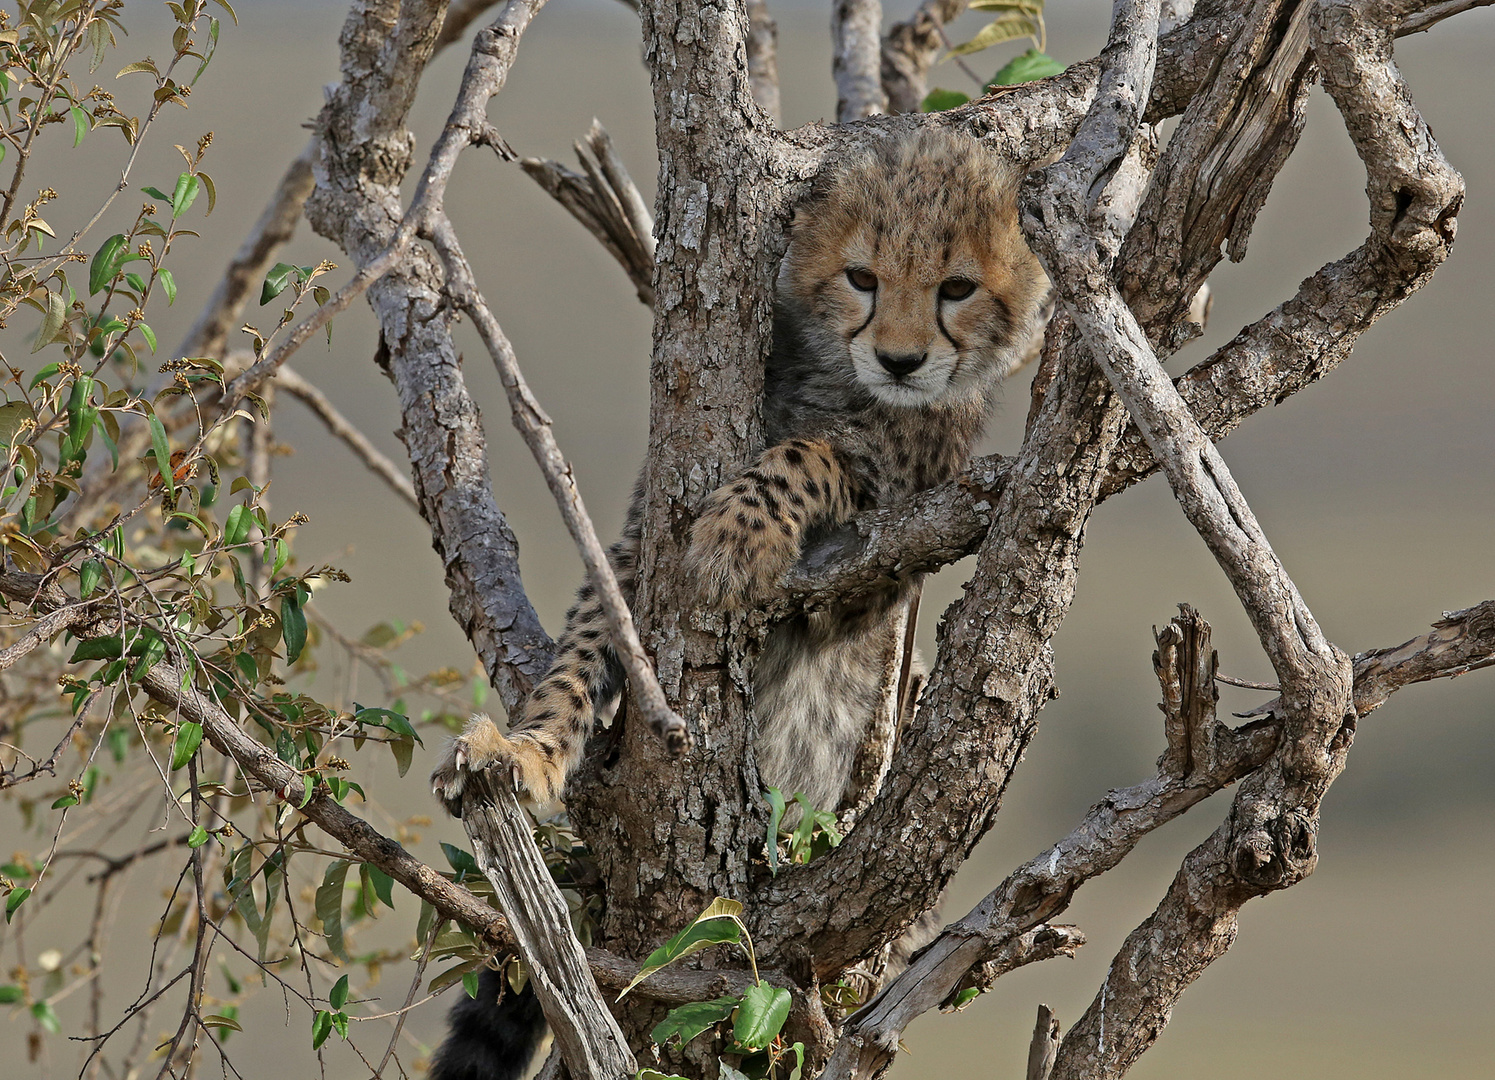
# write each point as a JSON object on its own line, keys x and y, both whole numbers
{"x": 545, "y": 742}
{"x": 750, "y": 531}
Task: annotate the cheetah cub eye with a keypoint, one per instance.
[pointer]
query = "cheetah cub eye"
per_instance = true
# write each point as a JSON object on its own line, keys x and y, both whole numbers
{"x": 956, "y": 289}
{"x": 862, "y": 279}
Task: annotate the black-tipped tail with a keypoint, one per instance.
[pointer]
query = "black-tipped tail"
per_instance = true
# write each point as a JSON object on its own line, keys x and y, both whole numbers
{"x": 490, "y": 1039}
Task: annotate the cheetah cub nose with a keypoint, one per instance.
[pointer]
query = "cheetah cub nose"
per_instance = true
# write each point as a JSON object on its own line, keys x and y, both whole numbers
{"x": 900, "y": 364}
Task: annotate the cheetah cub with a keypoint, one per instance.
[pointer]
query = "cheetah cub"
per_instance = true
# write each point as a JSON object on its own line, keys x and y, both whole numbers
{"x": 906, "y": 292}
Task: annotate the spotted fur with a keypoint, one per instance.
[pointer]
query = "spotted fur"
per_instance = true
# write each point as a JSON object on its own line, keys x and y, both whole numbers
{"x": 905, "y": 295}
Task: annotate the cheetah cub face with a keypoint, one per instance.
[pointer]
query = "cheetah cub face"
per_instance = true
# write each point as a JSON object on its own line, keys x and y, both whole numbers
{"x": 907, "y": 272}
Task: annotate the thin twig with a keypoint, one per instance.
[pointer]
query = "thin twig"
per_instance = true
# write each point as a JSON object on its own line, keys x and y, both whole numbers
{"x": 420, "y": 970}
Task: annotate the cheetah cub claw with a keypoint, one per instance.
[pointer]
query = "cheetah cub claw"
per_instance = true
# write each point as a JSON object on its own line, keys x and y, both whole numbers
{"x": 537, "y": 777}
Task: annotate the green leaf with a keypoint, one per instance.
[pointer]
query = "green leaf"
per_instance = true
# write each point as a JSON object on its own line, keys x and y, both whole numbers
{"x": 14, "y": 413}
{"x": 330, "y": 907}
{"x": 799, "y": 1061}
{"x": 169, "y": 284}
{"x": 198, "y": 837}
{"x": 207, "y": 181}
{"x": 45, "y": 373}
{"x": 292, "y": 627}
{"x": 149, "y": 335}
{"x": 321, "y": 1027}
{"x": 105, "y": 648}
{"x": 775, "y": 799}
{"x": 938, "y": 100}
{"x": 184, "y": 195}
{"x": 64, "y": 802}
{"x": 460, "y": 861}
{"x": 9, "y": 995}
{"x": 655, "y": 1074}
{"x": 761, "y": 1015}
{"x": 16, "y": 898}
{"x": 80, "y": 125}
{"x": 470, "y": 983}
{"x": 156, "y": 193}
{"x": 386, "y": 718}
{"x": 105, "y": 263}
{"x": 338, "y": 996}
{"x": 162, "y": 449}
{"x": 51, "y": 322}
{"x": 150, "y": 656}
{"x": 1006, "y": 28}
{"x": 799, "y": 840}
{"x": 1027, "y": 67}
{"x": 224, "y": 5}
{"x": 720, "y": 923}
{"x": 275, "y": 282}
{"x": 383, "y": 886}
{"x": 688, "y": 1021}
{"x": 188, "y": 739}
{"x": 46, "y": 1016}
{"x": 726, "y": 1072}
{"x": 88, "y": 577}
{"x": 222, "y": 1022}
{"x": 236, "y": 528}
{"x": 207, "y": 58}
{"x": 964, "y": 998}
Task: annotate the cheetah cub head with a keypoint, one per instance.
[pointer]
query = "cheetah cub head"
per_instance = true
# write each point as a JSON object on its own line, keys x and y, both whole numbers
{"x": 907, "y": 273}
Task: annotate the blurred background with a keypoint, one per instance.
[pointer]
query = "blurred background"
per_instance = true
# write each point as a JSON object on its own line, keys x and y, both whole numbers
{"x": 1377, "y": 487}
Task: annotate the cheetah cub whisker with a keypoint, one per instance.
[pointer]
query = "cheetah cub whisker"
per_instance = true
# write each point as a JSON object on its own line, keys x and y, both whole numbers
{"x": 905, "y": 294}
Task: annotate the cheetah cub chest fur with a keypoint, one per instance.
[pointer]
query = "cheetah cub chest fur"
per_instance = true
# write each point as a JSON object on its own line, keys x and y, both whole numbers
{"x": 905, "y": 295}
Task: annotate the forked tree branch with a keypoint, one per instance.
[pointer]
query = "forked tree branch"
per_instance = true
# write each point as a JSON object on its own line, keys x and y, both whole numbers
{"x": 1202, "y": 756}
{"x": 487, "y": 70}
{"x": 358, "y": 205}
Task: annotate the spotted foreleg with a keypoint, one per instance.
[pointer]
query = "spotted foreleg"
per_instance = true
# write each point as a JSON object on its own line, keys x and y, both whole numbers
{"x": 544, "y": 745}
{"x": 749, "y": 534}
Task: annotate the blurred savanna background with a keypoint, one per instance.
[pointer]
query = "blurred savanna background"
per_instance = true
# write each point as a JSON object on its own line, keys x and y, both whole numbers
{"x": 1377, "y": 486}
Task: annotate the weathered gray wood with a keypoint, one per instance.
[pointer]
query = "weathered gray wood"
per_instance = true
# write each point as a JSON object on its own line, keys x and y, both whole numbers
{"x": 606, "y": 201}
{"x": 1045, "y": 1045}
{"x": 503, "y": 842}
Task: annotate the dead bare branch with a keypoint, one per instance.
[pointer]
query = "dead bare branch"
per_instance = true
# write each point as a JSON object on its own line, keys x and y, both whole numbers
{"x": 1045, "y": 1045}
{"x": 590, "y": 1041}
{"x": 604, "y": 199}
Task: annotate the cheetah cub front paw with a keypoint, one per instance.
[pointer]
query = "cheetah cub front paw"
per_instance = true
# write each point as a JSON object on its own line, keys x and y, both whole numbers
{"x": 739, "y": 549}
{"x": 534, "y": 768}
